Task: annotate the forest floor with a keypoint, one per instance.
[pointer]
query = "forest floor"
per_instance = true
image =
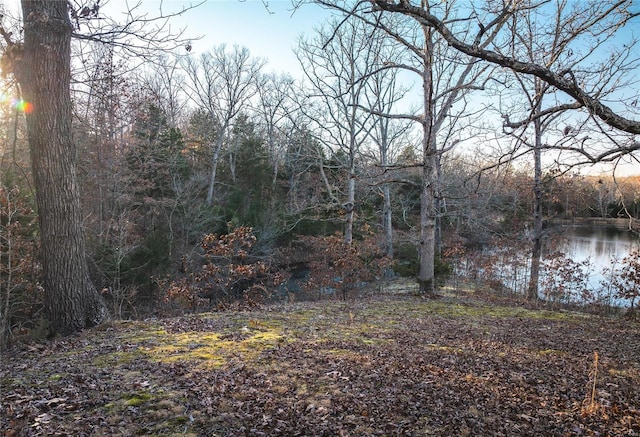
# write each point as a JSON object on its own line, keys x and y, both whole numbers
{"x": 386, "y": 364}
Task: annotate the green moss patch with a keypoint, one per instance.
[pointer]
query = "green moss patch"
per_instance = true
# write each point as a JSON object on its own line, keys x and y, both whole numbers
{"x": 137, "y": 399}
{"x": 211, "y": 349}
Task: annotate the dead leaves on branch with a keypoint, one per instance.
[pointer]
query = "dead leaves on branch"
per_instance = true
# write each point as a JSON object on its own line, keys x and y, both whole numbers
{"x": 229, "y": 272}
{"x": 383, "y": 367}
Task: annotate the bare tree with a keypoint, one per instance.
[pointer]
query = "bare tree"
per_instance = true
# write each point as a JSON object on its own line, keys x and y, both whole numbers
{"x": 222, "y": 82}
{"x": 570, "y": 81}
{"x": 384, "y": 92}
{"x": 273, "y": 109}
{"x": 337, "y": 63}
{"x": 445, "y": 79}
{"x": 542, "y": 36}
{"x": 457, "y": 32}
{"x": 164, "y": 80}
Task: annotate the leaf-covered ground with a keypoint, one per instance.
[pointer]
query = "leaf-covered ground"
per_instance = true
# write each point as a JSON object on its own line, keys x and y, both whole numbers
{"x": 385, "y": 365}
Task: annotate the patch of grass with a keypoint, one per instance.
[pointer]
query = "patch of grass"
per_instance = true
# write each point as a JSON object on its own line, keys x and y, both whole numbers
{"x": 212, "y": 349}
{"x": 629, "y": 372}
{"x": 159, "y": 412}
{"x": 116, "y": 358}
{"x": 137, "y": 399}
{"x": 454, "y": 310}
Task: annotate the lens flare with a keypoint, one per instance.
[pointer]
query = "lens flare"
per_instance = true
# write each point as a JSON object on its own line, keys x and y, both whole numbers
{"x": 24, "y": 106}
{"x": 19, "y": 104}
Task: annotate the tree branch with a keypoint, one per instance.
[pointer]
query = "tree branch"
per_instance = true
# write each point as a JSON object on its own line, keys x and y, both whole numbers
{"x": 558, "y": 80}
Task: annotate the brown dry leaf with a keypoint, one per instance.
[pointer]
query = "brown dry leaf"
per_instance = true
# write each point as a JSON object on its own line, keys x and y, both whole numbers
{"x": 400, "y": 366}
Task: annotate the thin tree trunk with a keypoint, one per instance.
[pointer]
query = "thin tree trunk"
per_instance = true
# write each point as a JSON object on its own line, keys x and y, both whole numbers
{"x": 536, "y": 247}
{"x": 387, "y": 220}
{"x": 71, "y": 300}
{"x": 350, "y": 205}
{"x": 214, "y": 168}
{"x": 387, "y": 209}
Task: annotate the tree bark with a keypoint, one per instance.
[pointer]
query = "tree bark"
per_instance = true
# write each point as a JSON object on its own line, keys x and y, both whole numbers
{"x": 214, "y": 167}
{"x": 387, "y": 220}
{"x": 71, "y": 301}
{"x": 350, "y": 205}
{"x": 536, "y": 247}
{"x": 426, "y": 277}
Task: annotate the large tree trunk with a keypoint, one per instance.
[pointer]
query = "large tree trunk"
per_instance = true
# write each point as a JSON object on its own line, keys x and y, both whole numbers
{"x": 71, "y": 301}
{"x": 426, "y": 277}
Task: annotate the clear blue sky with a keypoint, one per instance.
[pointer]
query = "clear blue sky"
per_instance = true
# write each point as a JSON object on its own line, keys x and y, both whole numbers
{"x": 269, "y": 29}
{"x": 268, "y": 32}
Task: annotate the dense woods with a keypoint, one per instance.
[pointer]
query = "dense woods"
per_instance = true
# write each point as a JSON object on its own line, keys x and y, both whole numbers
{"x": 205, "y": 180}
{"x": 192, "y": 244}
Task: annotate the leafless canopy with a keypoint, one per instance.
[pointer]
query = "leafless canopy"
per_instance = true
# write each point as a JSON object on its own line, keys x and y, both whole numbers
{"x": 564, "y": 80}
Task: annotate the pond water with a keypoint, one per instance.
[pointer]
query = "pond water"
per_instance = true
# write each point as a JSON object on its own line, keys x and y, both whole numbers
{"x": 599, "y": 248}
{"x": 599, "y": 244}
{"x": 602, "y": 249}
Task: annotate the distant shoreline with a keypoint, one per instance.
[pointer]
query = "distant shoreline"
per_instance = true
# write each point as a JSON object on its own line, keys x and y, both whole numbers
{"x": 631, "y": 224}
